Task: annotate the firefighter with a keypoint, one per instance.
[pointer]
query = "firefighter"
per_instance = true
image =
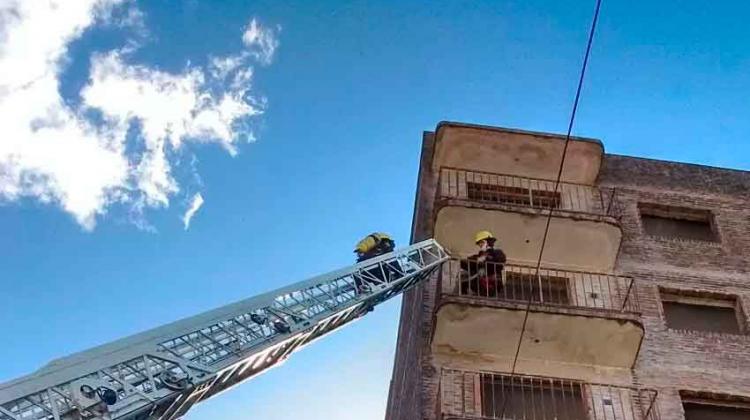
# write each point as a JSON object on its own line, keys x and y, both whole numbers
{"x": 371, "y": 246}
{"x": 484, "y": 269}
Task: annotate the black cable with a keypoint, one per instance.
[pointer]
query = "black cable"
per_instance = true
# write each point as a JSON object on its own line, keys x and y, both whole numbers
{"x": 557, "y": 185}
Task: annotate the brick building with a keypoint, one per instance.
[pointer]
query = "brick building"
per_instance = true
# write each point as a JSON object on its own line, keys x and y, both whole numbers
{"x": 636, "y": 313}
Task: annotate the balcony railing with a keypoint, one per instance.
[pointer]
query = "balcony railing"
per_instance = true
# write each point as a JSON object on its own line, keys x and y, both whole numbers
{"x": 489, "y": 396}
{"x": 557, "y": 288}
{"x": 491, "y": 188}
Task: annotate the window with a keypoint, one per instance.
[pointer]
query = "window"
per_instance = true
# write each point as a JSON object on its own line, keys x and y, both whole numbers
{"x": 547, "y": 199}
{"x": 518, "y": 398}
{"x": 701, "y": 312}
{"x": 713, "y": 407}
{"x": 714, "y": 412}
{"x": 544, "y": 289}
{"x": 512, "y": 195}
{"x": 498, "y": 193}
{"x": 677, "y": 222}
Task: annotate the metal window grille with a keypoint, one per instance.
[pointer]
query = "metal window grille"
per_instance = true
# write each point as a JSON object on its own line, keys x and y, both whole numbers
{"x": 489, "y": 396}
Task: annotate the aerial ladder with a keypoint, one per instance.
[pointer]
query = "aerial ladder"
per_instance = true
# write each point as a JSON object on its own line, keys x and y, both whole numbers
{"x": 162, "y": 373}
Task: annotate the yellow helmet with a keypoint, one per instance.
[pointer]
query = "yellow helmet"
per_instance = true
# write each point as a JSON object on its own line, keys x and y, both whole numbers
{"x": 370, "y": 241}
{"x": 484, "y": 235}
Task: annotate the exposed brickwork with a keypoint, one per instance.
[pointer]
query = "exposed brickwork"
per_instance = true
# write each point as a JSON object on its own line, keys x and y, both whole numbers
{"x": 413, "y": 392}
{"x": 669, "y": 361}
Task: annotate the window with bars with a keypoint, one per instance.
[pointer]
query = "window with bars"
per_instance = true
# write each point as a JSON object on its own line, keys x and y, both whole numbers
{"x": 521, "y": 398}
{"x": 502, "y": 194}
{"x": 546, "y": 199}
{"x": 539, "y": 289}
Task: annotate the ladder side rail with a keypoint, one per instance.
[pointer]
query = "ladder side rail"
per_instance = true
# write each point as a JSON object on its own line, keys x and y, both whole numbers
{"x": 224, "y": 381}
{"x": 193, "y": 340}
{"x": 231, "y": 340}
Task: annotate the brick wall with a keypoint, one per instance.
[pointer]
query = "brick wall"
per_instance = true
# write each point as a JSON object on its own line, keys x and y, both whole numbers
{"x": 671, "y": 360}
{"x": 414, "y": 386}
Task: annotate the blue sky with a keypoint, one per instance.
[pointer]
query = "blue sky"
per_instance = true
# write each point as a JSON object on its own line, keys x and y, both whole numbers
{"x": 336, "y": 96}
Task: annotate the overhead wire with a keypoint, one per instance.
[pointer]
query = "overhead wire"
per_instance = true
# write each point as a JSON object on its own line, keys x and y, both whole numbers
{"x": 571, "y": 121}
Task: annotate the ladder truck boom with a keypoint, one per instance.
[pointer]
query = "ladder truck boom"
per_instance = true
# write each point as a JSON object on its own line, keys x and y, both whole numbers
{"x": 162, "y": 373}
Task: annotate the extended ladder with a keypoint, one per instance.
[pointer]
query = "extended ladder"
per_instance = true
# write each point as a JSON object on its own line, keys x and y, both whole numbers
{"x": 162, "y": 373}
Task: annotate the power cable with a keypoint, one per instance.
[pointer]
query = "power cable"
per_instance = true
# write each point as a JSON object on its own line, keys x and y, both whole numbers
{"x": 557, "y": 185}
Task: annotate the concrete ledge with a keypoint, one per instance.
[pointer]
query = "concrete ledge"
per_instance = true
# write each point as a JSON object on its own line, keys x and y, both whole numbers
{"x": 562, "y": 342}
{"x": 516, "y": 152}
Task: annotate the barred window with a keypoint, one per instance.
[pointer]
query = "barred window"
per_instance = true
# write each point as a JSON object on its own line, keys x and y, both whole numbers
{"x": 503, "y": 194}
{"x": 505, "y": 397}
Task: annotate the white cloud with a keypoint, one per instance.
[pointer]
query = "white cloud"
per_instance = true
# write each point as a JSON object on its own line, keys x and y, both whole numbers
{"x": 263, "y": 41}
{"x": 221, "y": 67}
{"x": 195, "y": 204}
{"x": 53, "y": 153}
{"x": 46, "y": 150}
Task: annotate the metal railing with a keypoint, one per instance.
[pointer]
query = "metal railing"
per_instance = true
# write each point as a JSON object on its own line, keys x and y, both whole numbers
{"x": 519, "y": 283}
{"x": 492, "y": 188}
{"x": 488, "y": 396}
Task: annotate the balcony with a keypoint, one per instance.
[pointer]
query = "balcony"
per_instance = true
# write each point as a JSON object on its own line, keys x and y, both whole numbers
{"x": 578, "y": 322}
{"x": 516, "y": 209}
{"x": 516, "y": 152}
{"x": 467, "y": 395}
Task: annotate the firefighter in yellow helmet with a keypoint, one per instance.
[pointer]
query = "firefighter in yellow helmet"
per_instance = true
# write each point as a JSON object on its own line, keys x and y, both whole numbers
{"x": 484, "y": 268}
{"x": 371, "y": 246}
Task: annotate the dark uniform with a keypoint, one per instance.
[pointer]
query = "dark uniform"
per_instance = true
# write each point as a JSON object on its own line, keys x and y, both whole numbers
{"x": 483, "y": 277}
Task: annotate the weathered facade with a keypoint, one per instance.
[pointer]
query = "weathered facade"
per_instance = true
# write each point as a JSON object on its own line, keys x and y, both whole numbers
{"x": 636, "y": 311}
